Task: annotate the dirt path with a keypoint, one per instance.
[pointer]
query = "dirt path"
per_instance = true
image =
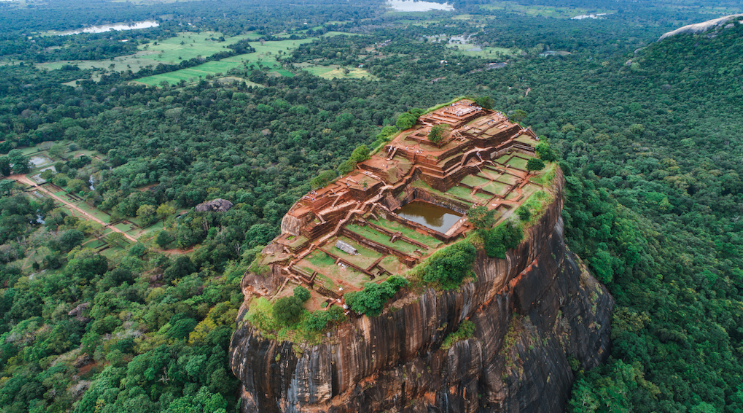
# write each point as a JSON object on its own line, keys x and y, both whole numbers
{"x": 25, "y": 180}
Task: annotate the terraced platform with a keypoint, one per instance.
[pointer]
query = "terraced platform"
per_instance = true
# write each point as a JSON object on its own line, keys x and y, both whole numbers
{"x": 348, "y": 233}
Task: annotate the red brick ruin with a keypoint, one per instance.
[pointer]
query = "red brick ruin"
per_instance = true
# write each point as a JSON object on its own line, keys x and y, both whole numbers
{"x": 336, "y": 238}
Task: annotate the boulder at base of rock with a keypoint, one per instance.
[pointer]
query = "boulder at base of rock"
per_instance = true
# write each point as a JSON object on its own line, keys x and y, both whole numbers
{"x": 215, "y": 205}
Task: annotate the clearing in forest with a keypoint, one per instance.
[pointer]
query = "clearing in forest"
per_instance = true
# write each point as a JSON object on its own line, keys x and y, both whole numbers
{"x": 184, "y": 46}
{"x": 265, "y": 56}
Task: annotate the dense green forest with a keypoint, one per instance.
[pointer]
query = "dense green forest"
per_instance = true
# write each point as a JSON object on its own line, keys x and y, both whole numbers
{"x": 649, "y": 134}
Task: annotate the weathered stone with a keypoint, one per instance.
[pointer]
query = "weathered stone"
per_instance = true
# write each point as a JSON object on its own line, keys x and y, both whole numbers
{"x": 215, "y": 205}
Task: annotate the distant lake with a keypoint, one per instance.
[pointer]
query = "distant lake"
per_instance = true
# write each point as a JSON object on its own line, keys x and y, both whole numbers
{"x": 116, "y": 26}
{"x": 411, "y": 5}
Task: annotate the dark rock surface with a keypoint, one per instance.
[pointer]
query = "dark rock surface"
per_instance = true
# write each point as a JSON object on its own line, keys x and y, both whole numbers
{"x": 532, "y": 311}
{"x": 215, "y": 205}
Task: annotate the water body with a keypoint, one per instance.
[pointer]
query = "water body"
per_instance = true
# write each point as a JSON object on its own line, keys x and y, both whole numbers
{"x": 412, "y": 6}
{"x": 432, "y": 216}
{"x": 116, "y": 26}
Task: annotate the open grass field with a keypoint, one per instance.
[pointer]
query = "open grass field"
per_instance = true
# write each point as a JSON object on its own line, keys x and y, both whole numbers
{"x": 546, "y": 175}
{"x": 188, "y": 45}
{"x": 184, "y": 46}
{"x": 265, "y": 55}
{"x": 543, "y": 11}
{"x": 486, "y": 52}
{"x": 336, "y": 72}
{"x": 190, "y": 74}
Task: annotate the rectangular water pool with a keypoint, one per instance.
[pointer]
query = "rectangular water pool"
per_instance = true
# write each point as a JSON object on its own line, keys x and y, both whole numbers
{"x": 432, "y": 216}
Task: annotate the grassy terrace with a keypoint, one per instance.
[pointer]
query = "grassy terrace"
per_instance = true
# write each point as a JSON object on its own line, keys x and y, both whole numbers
{"x": 527, "y": 140}
{"x": 462, "y": 192}
{"x": 497, "y": 188}
{"x": 325, "y": 282}
{"x": 393, "y": 265}
{"x": 380, "y": 238}
{"x": 508, "y": 179}
{"x": 473, "y": 180}
{"x": 338, "y": 274}
{"x": 424, "y": 186}
{"x": 482, "y": 197}
{"x": 319, "y": 259}
{"x": 489, "y": 174}
{"x": 518, "y": 163}
{"x": 365, "y": 257}
{"x": 408, "y": 232}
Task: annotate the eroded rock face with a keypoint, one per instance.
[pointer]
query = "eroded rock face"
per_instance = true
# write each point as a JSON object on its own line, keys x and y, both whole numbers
{"x": 533, "y": 311}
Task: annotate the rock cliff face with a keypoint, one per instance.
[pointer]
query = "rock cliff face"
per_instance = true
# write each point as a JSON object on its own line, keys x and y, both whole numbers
{"x": 534, "y": 311}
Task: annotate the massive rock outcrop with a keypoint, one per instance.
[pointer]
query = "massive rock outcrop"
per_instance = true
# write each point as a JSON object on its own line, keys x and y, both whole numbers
{"x": 535, "y": 312}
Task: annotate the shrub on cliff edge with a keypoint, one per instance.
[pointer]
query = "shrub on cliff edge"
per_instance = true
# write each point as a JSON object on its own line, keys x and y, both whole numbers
{"x": 502, "y": 238}
{"x": 449, "y": 266}
{"x": 371, "y": 299}
{"x": 318, "y": 320}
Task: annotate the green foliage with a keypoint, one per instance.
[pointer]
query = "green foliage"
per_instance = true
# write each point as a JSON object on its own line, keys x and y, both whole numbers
{"x": 465, "y": 331}
{"x": 301, "y": 293}
{"x": 651, "y": 158}
{"x": 322, "y": 180}
{"x": 518, "y": 115}
{"x": 545, "y": 152}
{"x": 360, "y": 154}
{"x": 287, "y": 311}
{"x": 406, "y": 120}
{"x": 317, "y": 321}
{"x": 437, "y": 133}
{"x": 502, "y": 238}
{"x": 524, "y": 213}
{"x": 534, "y": 164}
{"x": 486, "y": 102}
{"x": 256, "y": 267}
{"x": 371, "y": 299}
{"x": 448, "y": 267}
{"x": 346, "y": 167}
{"x": 164, "y": 239}
{"x": 481, "y": 217}
{"x": 70, "y": 239}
